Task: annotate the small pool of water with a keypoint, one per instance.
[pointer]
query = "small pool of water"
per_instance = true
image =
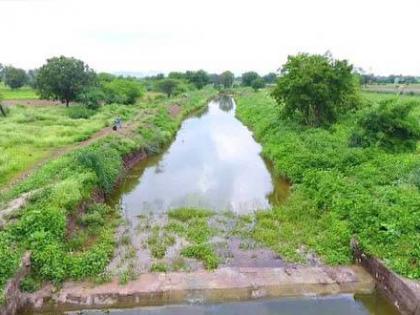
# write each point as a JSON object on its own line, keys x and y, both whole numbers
{"x": 214, "y": 162}
{"x": 332, "y": 305}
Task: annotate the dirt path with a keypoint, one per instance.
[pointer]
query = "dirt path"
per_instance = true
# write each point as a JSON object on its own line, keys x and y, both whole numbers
{"x": 126, "y": 130}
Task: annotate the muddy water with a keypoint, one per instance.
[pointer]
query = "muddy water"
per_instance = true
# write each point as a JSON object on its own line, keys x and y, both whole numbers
{"x": 213, "y": 163}
{"x": 334, "y": 305}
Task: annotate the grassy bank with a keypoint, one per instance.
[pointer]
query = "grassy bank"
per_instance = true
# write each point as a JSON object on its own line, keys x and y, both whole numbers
{"x": 338, "y": 191}
{"x": 29, "y": 134}
{"x": 68, "y": 240}
{"x": 24, "y": 93}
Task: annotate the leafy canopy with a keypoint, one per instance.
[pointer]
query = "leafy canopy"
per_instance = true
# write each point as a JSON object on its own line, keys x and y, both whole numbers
{"x": 316, "y": 88}
{"x": 14, "y": 78}
{"x": 388, "y": 125}
{"x": 226, "y": 79}
{"x": 64, "y": 78}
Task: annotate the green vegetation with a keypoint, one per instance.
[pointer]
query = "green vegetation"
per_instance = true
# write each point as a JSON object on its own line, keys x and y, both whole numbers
{"x": 14, "y": 78}
{"x": 33, "y": 133}
{"x": 388, "y": 125}
{"x": 63, "y": 79}
{"x": 339, "y": 191}
{"x": 23, "y": 93}
{"x": 69, "y": 236}
{"x": 193, "y": 225}
{"x": 315, "y": 89}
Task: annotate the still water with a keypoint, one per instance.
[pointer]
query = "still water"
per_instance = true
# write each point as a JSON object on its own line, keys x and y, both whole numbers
{"x": 335, "y": 305}
{"x": 213, "y": 163}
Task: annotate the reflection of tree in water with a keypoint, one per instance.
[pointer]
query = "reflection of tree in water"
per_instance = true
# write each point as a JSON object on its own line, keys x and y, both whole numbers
{"x": 225, "y": 103}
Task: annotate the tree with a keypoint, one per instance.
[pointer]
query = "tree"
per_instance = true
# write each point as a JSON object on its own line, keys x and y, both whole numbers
{"x": 199, "y": 78}
{"x": 249, "y": 77}
{"x": 257, "y": 84}
{"x": 316, "y": 88}
{"x": 270, "y": 78}
{"x": 14, "y": 77}
{"x": 64, "y": 78}
{"x": 168, "y": 86}
{"x": 226, "y": 79}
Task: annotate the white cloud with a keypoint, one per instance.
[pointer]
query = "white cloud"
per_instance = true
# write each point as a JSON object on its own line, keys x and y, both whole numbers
{"x": 164, "y": 35}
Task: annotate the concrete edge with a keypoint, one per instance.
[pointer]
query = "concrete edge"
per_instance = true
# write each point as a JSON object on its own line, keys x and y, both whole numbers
{"x": 225, "y": 284}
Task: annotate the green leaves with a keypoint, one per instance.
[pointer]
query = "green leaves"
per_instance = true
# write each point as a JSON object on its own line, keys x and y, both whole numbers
{"x": 316, "y": 88}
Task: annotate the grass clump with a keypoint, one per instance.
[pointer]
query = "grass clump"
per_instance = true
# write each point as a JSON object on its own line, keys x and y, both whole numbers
{"x": 159, "y": 241}
{"x": 159, "y": 267}
{"x": 186, "y": 214}
{"x": 203, "y": 252}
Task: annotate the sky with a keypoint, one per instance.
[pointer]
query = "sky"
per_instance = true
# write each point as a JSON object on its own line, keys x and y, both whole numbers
{"x": 216, "y": 35}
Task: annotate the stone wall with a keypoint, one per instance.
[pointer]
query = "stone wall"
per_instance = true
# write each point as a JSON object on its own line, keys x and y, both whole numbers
{"x": 12, "y": 292}
{"x": 401, "y": 292}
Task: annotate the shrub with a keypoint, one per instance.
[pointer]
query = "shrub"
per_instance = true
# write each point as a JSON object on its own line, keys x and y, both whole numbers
{"x": 92, "y": 98}
{"x": 80, "y": 112}
{"x": 388, "y": 125}
{"x": 316, "y": 88}
{"x": 105, "y": 162}
{"x": 121, "y": 91}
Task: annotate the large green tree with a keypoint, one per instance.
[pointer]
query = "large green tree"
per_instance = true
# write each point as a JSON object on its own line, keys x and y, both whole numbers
{"x": 14, "y": 77}
{"x": 316, "y": 88}
{"x": 168, "y": 86}
{"x": 249, "y": 77}
{"x": 199, "y": 78}
{"x": 64, "y": 78}
{"x": 226, "y": 79}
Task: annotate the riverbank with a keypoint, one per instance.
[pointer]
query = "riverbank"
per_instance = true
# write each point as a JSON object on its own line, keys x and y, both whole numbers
{"x": 68, "y": 234}
{"x": 338, "y": 191}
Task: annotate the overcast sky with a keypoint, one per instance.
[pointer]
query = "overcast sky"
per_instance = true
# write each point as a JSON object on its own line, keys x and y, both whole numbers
{"x": 163, "y": 35}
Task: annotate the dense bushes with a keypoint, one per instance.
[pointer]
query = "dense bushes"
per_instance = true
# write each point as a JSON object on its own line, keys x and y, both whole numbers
{"x": 121, "y": 91}
{"x": 315, "y": 89}
{"x": 388, "y": 125}
{"x": 339, "y": 192}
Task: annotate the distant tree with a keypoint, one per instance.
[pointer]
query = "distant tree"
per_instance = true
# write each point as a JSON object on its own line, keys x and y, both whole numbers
{"x": 270, "y": 78}
{"x": 316, "y": 88}
{"x": 176, "y": 75}
{"x": 257, "y": 84}
{"x": 199, "y": 78}
{"x": 215, "y": 79}
{"x": 64, "y": 78}
{"x": 14, "y": 78}
{"x": 105, "y": 77}
{"x": 249, "y": 77}
{"x": 31, "y": 75}
{"x": 168, "y": 86}
{"x": 226, "y": 79}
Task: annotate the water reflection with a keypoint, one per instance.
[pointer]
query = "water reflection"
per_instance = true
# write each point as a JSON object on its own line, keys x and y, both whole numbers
{"x": 213, "y": 163}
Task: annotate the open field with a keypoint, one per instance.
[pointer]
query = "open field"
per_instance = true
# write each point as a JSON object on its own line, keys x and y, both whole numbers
{"x": 409, "y": 89}
{"x": 24, "y": 93}
{"x": 29, "y": 134}
{"x": 339, "y": 192}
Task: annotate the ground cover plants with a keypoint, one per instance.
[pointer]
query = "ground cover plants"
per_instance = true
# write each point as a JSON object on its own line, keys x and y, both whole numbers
{"x": 69, "y": 235}
{"x": 339, "y": 191}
